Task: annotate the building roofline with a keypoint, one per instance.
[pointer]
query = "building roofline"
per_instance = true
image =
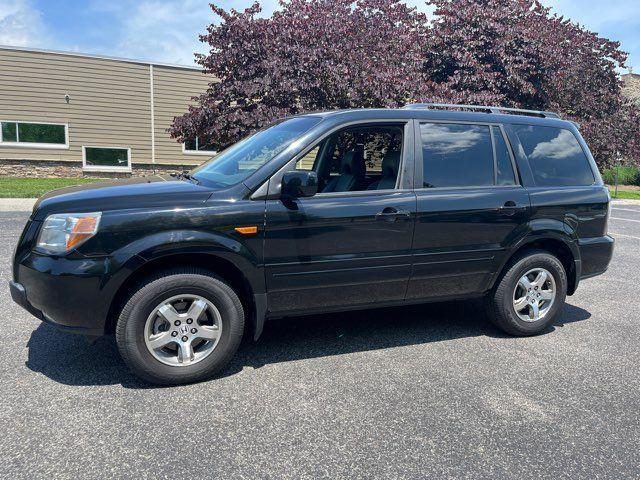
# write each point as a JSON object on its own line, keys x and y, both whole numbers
{"x": 102, "y": 57}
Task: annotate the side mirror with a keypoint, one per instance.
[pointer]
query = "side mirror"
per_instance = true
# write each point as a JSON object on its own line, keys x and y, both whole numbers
{"x": 299, "y": 184}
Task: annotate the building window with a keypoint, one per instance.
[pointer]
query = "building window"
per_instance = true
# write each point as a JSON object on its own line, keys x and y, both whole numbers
{"x": 104, "y": 159}
{"x": 196, "y": 147}
{"x": 35, "y": 135}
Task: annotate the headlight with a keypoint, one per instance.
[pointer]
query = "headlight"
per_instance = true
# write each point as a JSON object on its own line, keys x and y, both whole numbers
{"x": 63, "y": 231}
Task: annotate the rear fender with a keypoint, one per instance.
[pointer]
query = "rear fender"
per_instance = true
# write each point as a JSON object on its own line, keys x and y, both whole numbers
{"x": 541, "y": 230}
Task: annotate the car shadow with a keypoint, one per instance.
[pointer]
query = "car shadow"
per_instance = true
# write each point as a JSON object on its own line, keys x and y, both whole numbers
{"x": 70, "y": 360}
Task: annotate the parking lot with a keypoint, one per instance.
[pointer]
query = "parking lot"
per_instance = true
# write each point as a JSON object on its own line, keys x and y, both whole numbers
{"x": 419, "y": 392}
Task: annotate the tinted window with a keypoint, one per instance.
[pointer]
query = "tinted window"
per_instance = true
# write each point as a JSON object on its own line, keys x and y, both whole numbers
{"x": 555, "y": 156}
{"x": 106, "y": 157}
{"x": 9, "y": 132}
{"x": 504, "y": 167}
{"x": 41, "y": 133}
{"x": 33, "y": 133}
{"x": 197, "y": 145}
{"x": 456, "y": 155}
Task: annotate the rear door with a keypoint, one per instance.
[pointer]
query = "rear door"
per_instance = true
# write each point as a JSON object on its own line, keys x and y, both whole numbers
{"x": 470, "y": 207}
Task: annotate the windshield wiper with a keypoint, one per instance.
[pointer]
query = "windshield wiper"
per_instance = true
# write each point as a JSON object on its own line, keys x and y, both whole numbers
{"x": 186, "y": 176}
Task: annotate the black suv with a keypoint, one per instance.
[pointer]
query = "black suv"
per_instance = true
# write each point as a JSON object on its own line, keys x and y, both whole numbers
{"x": 322, "y": 212}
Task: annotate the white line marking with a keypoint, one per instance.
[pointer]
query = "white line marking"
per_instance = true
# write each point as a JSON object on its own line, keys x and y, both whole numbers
{"x": 623, "y": 235}
{"x": 626, "y": 209}
{"x": 624, "y": 219}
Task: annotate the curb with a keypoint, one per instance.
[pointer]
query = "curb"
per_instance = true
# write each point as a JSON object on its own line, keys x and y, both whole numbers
{"x": 624, "y": 201}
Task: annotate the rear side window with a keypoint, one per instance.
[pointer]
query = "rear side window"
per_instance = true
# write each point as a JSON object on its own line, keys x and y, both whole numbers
{"x": 555, "y": 156}
{"x": 456, "y": 155}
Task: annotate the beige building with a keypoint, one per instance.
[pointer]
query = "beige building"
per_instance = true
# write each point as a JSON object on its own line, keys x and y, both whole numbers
{"x": 631, "y": 86}
{"x": 68, "y": 114}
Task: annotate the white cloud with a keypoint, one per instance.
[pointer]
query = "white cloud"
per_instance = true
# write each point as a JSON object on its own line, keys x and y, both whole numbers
{"x": 561, "y": 147}
{"x": 166, "y": 30}
{"x": 20, "y": 24}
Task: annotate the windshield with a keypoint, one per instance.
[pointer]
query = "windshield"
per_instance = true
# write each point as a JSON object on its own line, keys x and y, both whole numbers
{"x": 241, "y": 159}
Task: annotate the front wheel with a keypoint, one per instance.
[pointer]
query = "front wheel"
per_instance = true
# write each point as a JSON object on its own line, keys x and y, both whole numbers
{"x": 180, "y": 327}
{"x": 530, "y": 295}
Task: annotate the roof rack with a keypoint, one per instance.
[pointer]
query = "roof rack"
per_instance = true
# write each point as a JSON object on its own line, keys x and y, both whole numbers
{"x": 486, "y": 108}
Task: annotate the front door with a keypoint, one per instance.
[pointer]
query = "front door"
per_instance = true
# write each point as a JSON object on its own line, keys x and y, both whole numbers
{"x": 470, "y": 207}
{"x": 350, "y": 244}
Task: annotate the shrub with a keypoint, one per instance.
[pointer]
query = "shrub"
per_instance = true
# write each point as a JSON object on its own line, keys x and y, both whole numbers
{"x": 626, "y": 176}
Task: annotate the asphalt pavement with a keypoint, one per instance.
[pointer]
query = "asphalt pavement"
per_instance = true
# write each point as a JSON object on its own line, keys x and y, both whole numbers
{"x": 419, "y": 392}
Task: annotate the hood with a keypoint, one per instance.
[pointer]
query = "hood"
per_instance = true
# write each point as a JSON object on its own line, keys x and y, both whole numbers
{"x": 152, "y": 191}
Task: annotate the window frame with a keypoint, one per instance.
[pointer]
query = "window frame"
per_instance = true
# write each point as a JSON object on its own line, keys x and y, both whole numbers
{"x": 105, "y": 168}
{"x": 51, "y": 146}
{"x": 405, "y": 169}
{"x": 419, "y": 158}
{"x": 512, "y": 158}
{"x": 186, "y": 151}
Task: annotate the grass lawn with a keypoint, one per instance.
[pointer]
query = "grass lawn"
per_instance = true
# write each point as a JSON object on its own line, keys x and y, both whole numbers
{"x": 625, "y": 194}
{"x": 16, "y": 187}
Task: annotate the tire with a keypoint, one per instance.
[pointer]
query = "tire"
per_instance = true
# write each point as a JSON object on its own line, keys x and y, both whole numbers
{"x": 140, "y": 317}
{"x": 500, "y": 303}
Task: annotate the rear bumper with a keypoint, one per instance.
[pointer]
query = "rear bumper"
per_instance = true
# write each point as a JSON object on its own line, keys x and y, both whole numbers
{"x": 595, "y": 255}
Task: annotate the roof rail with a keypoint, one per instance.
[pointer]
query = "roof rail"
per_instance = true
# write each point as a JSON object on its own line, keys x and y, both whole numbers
{"x": 486, "y": 108}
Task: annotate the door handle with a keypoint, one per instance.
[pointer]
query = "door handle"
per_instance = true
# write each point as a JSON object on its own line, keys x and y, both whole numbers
{"x": 391, "y": 214}
{"x": 510, "y": 208}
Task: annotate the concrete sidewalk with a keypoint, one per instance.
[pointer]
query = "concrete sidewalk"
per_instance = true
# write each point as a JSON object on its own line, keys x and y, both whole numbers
{"x": 17, "y": 204}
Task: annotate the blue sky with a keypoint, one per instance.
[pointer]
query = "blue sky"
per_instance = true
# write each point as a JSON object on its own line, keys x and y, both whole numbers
{"x": 166, "y": 30}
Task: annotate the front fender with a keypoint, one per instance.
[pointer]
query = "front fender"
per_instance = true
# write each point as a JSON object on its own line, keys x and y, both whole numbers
{"x": 176, "y": 242}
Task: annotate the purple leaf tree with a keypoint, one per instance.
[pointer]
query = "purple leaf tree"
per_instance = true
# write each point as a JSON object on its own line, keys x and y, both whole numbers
{"x": 331, "y": 54}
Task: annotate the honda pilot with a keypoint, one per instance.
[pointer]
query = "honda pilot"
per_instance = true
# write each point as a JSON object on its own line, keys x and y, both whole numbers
{"x": 322, "y": 212}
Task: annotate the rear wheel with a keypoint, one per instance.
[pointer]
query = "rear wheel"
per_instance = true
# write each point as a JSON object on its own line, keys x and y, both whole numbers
{"x": 180, "y": 327}
{"x": 530, "y": 295}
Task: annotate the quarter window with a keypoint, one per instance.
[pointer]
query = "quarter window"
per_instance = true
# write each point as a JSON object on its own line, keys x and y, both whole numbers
{"x": 106, "y": 158}
{"x": 456, "y": 155}
{"x": 555, "y": 156}
{"x": 34, "y": 134}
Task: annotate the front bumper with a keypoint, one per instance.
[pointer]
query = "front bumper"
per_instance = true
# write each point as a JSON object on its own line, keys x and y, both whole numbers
{"x": 19, "y": 295}
{"x": 73, "y": 293}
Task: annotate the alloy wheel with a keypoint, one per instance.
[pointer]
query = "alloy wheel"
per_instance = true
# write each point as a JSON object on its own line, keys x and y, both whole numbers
{"x": 183, "y": 330}
{"x": 534, "y": 294}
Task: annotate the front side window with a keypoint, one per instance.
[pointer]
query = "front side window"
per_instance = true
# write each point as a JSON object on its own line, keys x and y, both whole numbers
{"x": 358, "y": 158}
{"x": 456, "y": 155}
{"x": 44, "y": 134}
{"x": 240, "y": 160}
{"x": 106, "y": 158}
{"x": 555, "y": 156}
